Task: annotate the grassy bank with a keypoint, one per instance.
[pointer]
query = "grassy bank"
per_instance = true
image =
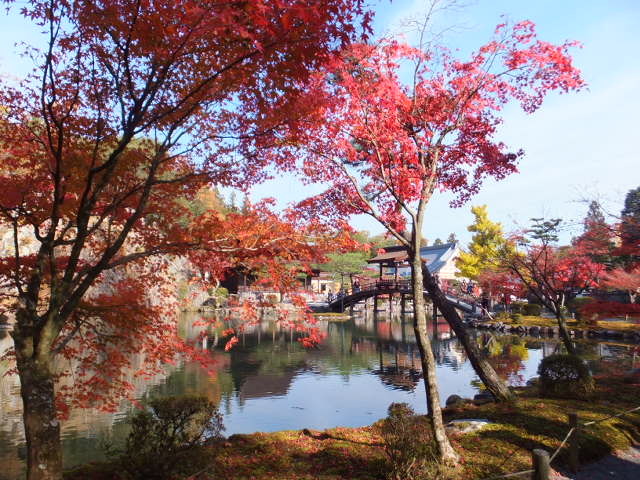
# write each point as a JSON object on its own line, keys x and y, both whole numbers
{"x": 534, "y": 321}
{"x": 357, "y": 453}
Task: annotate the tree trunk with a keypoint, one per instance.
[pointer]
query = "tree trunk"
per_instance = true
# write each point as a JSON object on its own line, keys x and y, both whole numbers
{"x": 480, "y": 364}
{"x": 445, "y": 450}
{"x": 42, "y": 428}
{"x": 564, "y": 333}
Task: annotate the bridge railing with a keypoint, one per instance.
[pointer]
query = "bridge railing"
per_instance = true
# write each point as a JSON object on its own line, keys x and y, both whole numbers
{"x": 382, "y": 285}
{"x": 405, "y": 285}
{"x": 379, "y": 284}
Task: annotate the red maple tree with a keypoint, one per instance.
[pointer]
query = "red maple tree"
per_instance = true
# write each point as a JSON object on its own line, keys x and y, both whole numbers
{"x": 132, "y": 105}
{"x": 553, "y": 275}
{"x": 386, "y": 145}
{"x": 616, "y": 247}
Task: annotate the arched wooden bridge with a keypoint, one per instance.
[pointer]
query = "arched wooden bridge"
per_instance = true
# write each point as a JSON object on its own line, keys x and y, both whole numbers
{"x": 379, "y": 287}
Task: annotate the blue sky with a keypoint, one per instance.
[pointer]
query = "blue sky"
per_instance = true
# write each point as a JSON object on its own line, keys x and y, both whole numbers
{"x": 576, "y": 146}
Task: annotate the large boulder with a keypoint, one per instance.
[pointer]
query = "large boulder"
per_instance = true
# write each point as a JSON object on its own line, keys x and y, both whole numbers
{"x": 454, "y": 401}
{"x": 466, "y": 425}
{"x": 482, "y": 398}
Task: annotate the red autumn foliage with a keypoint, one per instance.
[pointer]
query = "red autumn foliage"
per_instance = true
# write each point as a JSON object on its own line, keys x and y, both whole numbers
{"x": 554, "y": 275}
{"x": 621, "y": 279}
{"x": 133, "y": 107}
{"x": 500, "y": 283}
{"x": 386, "y": 145}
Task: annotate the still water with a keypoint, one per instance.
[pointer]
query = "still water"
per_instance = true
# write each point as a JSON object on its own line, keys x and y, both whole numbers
{"x": 269, "y": 382}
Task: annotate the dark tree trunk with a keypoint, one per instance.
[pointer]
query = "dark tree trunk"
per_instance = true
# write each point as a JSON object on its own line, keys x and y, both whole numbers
{"x": 480, "y": 364}
{"x": 564, "y": 333}
{"x": 445, "y": 450}
{"x": 42, "y": 428}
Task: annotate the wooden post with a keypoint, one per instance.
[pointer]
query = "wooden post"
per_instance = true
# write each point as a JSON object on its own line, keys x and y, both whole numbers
{"x": 435, "y": 312}
{"x": 574, "y": 443}
{"x": 403, "y": 304}
{"x": 375, "y": 304}
{"x": 390, "y": 303}
{"x": 541, "y": 467}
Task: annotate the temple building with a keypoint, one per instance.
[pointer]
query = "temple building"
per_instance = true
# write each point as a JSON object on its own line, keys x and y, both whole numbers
{"x": 440, "y": 260}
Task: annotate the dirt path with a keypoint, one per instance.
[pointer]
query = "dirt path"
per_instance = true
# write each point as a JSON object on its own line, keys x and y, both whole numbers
{"x": 622, "y": 466}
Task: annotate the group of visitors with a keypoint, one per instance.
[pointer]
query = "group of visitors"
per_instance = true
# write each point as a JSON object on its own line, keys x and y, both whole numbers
{"x": 355, "y": 287}
{"x": 469, "y": 288}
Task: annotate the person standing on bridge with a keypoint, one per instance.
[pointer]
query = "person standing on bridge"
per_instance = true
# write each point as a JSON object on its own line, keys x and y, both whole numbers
{"x": 356, "y": 286}
{"x": 330, "y": 296}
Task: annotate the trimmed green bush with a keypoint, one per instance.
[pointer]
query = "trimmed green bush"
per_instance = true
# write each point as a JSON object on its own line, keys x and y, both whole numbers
{"x": 409, "y": 445}
{"x": 532, "y": 309}
{"x": 222, "y": 292}
{"x": 516, "y": 318}
{"x": 517, "y": 307}
{"x": 565, "y": 376}
{"x": 166, "y": 439}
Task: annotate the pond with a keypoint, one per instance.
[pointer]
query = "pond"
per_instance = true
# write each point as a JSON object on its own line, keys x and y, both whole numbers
{"x": 269, "y": 382}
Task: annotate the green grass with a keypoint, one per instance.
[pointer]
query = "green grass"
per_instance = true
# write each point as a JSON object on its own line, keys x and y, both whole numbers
{"x": 357, "y": 453}
{"x": 534, "y": 321}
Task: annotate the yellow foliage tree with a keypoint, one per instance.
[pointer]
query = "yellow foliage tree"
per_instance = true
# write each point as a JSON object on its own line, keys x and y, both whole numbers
{"x": 486, "y": 248}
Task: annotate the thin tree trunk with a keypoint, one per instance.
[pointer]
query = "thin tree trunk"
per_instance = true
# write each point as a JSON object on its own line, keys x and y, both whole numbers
{"x": 480, "y": 364}
{"x": 564, "y": 334}
{"x": 42, "y": 428}
{"x": 445, "y": 450}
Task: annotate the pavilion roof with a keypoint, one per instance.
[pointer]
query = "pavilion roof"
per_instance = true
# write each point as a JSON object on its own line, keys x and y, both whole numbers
{"x": 390, "y": 257}
{"x": 435, "y": 256}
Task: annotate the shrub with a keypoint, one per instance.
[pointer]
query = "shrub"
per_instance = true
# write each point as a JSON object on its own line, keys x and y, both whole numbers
{"x": 503, "y": 317}
{"x": 409, "y": 444}
{"x": 565, "y": 376}
{"x": 517, "y": 307}
{"x": 222, "y": 292}
{"x": 165, "y": 440}
{"x": 532, "y": 309}
{"x": 516, "y": 318}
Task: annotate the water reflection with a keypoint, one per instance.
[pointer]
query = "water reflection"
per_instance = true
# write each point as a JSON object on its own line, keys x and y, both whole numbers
{"x": 270, "y": 382}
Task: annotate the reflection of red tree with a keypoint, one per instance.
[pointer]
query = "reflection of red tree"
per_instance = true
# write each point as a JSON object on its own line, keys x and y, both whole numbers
{"x": 383, "y": 330}
{"x": 507, "y": 362}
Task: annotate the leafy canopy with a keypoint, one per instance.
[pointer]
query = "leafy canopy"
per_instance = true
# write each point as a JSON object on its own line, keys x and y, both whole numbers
{"x": 488, "y": 245}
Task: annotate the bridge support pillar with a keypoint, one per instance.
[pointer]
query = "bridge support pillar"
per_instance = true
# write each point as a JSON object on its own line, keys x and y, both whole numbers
{"x": 435, "y": 312}
{"x": 375, "y": 303}
{"x": 403, "y": 304}
{"x": 391, "y": 304}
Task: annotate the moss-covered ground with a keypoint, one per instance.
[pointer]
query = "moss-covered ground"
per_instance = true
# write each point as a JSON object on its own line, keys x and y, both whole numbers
{"x": 533, "y": 321}
{"x": 357, "y": 453}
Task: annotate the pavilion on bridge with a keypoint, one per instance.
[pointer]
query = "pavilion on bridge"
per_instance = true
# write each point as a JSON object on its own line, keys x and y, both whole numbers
{"x": 440, "y": 260}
